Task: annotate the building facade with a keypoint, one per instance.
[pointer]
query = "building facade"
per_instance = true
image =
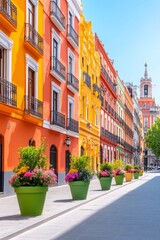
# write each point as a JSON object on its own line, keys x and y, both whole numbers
{"x": 108, "y": 135}
{"x": 138, "y": 136}
{"x": 120, "y": 116}
{"x": 61, "y": 82}
{"x": 150, "y": 111}
{"x": 90, "y": 103}
{"x": 128, "y": 145}
{"x": 21, "y": 81}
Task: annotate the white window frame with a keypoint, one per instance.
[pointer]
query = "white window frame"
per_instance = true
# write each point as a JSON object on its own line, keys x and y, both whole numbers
{"x": 7, "y": 43}
{"x": 71, "y": 54}
{"x": 58, "y": 40}
{"x": 57, "y": 89}
{"x": 71, "y": 100}
{"x": 35, "y": 3}
{"x": 31, "y": 63}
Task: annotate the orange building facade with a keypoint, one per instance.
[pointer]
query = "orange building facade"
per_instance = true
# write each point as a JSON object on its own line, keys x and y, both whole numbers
{"x": 39, "y": 82}
{"x": 128, "y": 144}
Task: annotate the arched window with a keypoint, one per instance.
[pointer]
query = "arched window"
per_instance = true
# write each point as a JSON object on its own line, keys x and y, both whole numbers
{"x": 67, "y": 167}
{"x": 145, "y": 90}
{"x": 82, "y": 151}
{"x": 31, "y": 142}
{"x": 53, "y": 158}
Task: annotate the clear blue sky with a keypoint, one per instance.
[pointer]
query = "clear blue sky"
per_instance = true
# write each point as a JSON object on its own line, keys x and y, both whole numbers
{"x": 130, "y": 32}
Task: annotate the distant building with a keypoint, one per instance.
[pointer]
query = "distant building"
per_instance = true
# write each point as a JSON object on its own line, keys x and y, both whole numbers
{"x": 138, "y": 136}
{"x": 150, "y": 111}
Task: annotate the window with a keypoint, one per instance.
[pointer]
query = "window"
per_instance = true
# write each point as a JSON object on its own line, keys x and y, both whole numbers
{"x": 82, "y": 61}
{"x": 70, "y": 69}
{"x": 145, "y": 90}
{"x": 31, "y": 77}
{"x": 5, "y": 57}
{"x": 31, "y": 14}
{"x": 96, "y": 116}
{"x": 55, "y": 48}
{"x": 31, "y": 82}
{"x": 3, "y": 63}
{"x": 55, "y": 99}
{"x": 70, "y": 19}
{"x": 70, "y": 107}
{"x": 83, "y": 106}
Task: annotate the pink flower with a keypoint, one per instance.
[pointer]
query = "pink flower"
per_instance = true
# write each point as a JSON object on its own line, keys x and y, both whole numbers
{"x": 28, "y": 174}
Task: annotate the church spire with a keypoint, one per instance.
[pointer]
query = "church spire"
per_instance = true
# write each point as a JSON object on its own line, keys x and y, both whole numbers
{"x": 145, "y": 72}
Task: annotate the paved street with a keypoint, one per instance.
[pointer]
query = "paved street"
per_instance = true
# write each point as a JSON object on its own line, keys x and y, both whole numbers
{"x": 125, "y": 212}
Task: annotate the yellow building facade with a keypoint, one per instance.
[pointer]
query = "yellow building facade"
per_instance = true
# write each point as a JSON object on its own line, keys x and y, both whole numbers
{"x": 21, "y": 80}
{"x": 90, "y": 103}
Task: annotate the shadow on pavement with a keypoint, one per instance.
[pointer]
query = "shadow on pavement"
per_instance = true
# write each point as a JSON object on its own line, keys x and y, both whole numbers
{"x": 135, "y": 216}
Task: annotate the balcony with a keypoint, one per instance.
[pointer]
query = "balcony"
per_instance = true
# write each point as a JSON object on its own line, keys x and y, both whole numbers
{"x": 33, "y": 106}
{"x": 111, "y": 84}
{"x": 72, "y": 125}
{"x": 87, "y": 79}
{"x": 96, "y": 89}
{"x": 57, "y": 16}
{"x": 8, "y": 15}
{"x": 8, "y": 93}
{"x": 73, "y": 37}
{"x": 33, "y": 41}
{"x": 57, "y": 119}
{"x": 57, "y": 69}
{"x": 73, "y": 83}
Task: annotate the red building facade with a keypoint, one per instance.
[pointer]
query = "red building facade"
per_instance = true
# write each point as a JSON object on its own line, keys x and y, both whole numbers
{"x": 61, "y": 82}
{"x": 108, "y": 136}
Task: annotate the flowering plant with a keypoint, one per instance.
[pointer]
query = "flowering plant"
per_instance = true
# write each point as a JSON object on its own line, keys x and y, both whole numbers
{"x": 80, "y": 169}
{"x": 119, "y": 172}
{"x": 128, "y": 168}
{"x": 105, "y": 170}
{"x": 32, "y": 168}
{"x": 136, "y": 168}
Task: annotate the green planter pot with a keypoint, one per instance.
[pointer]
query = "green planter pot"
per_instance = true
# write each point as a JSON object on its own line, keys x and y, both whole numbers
{"x": 105, "y": 182}
{"x": 136, "y": 175}
{"x": 31, "y": 199}
{"x": 79, "y": 189}
{"x": 119, "y": 179}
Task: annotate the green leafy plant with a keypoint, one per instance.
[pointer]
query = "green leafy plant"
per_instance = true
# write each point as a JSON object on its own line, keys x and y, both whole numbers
{"x": 105, "y": 170}
{"x": 32, "y": 168}
{"x": 136, "y": 168}
{"x": 128, "y": 168}
{"x": 80, "y": 169}
{"x": 117, "y": 164}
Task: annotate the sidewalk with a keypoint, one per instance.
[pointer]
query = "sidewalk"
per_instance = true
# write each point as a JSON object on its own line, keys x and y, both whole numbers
{"x": 58, "y": 202}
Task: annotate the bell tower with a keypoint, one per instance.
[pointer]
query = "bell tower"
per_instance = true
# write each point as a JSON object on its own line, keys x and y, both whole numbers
{"x": 146, "y": 85}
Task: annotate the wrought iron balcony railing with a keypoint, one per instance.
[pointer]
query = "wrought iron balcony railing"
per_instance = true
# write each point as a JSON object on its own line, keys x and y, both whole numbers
{"x": 87, "y": 79}
{"x": 33, "y": 106}
{"x": 58, "y": 119}
{"x": 33, "y": 37}
{"x": 55, "y": 10}
{"x": 9, "y": 10}
{"x": 96, "y": 88}
{"x": 58, "y": 67}
{"x": 73, "y": 81}
{"x": 112, "y": 85}
{"x": 8, "y": 92}
{"x": 73, "y": 35}
{"x": 72, "y": 125}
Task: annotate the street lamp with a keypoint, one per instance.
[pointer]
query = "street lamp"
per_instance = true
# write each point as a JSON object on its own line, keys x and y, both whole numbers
{"x": 67, "y": 141}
